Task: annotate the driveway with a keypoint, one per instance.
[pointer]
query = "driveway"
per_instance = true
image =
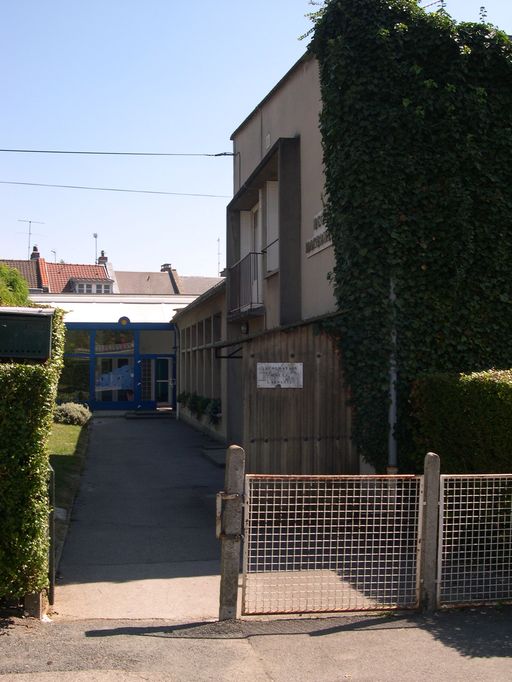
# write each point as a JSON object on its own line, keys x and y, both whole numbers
{"x": 141, "y": 543}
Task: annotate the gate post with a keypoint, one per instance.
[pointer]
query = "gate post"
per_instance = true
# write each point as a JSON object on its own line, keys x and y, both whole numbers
{"x": 428, "y": 564}
{"x": 230, "y": 531}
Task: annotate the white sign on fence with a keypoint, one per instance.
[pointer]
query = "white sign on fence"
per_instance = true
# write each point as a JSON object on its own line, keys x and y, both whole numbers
{"x": 279, "y": 374}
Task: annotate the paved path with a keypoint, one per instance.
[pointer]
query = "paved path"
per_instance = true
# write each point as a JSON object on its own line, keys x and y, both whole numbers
{"x": 142, "y": 538}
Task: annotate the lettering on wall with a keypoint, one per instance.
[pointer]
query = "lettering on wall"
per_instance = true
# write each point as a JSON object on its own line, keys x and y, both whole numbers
{"x": 321, "y": 239}
{"x": 279, "y": 374}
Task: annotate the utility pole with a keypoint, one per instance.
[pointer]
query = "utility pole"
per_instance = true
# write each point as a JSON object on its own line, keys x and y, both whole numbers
{"x": 95, "y": 235}
{"x": 38, "y": 222}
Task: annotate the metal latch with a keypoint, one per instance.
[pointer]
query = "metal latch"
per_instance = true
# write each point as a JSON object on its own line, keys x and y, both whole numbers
{"x": 220, "y": 498}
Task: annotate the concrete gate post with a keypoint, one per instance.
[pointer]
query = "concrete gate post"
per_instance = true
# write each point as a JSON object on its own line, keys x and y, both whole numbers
{"x": 428, "y": 565}
{"x": 229, "y": 530}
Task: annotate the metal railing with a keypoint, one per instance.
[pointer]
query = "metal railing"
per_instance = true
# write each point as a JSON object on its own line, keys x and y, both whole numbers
{"x": 475, "y": 539}
{"x": 315, "y": 544}
{"x": 244, "y": 284}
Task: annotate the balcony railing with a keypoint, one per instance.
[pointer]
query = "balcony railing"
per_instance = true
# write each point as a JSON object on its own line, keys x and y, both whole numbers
{"x": 245, "y": 290}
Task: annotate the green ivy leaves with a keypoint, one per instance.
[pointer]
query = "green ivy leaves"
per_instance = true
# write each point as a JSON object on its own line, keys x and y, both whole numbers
{"x": 417, "y": 138}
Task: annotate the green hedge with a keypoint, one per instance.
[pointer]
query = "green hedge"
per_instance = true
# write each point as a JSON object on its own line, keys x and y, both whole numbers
{"x": 27, "y": 398}
{"x": 466, "y": 419}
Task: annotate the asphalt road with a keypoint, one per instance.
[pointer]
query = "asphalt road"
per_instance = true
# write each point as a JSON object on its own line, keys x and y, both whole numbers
{"x": 465, "y": 645}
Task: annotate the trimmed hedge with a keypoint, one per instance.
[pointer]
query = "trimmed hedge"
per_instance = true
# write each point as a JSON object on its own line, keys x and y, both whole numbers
{"x": 466, "y": 419}
{"x": 27, "y": 400}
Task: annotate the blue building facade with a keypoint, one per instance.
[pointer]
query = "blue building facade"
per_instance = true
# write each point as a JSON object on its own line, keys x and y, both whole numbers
{"x": 118, "y": 366}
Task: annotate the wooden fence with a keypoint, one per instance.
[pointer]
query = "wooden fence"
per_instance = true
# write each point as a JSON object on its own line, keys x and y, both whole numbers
{"x": 298, "y": 430}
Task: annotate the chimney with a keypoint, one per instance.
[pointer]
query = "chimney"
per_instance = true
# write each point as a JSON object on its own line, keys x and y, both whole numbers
{"x": 35, "y": 255}
{"x": 102, "y": 260}
{"x": 166, "y": 267}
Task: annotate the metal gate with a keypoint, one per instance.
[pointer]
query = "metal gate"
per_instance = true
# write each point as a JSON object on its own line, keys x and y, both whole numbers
{"x": 475, "y": 539}
{"x": 316, "y": 544}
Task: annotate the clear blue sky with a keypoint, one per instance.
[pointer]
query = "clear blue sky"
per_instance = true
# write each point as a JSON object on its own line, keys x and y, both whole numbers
{"x": 126, "y": 75}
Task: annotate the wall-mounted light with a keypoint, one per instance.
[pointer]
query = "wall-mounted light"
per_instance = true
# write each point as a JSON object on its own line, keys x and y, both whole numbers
{"x": 244, "y": 328}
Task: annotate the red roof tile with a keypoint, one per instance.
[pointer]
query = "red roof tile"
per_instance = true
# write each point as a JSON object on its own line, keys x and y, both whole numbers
{"x": 27, "y": 269}
{"x": 59, "y": 275}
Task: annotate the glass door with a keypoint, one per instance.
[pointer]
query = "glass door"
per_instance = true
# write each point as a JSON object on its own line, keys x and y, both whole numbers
{"x": 164, "y": 381}
{"x": 114, "y": 380}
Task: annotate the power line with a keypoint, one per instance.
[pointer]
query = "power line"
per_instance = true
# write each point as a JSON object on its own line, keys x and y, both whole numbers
{"x": 102, "y": 153}
{"x": 117, "y": 189}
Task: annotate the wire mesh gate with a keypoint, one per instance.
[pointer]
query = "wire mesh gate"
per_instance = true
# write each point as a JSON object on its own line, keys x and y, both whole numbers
{"x": 475, "y": 539}
{"x": 316, "y": 544}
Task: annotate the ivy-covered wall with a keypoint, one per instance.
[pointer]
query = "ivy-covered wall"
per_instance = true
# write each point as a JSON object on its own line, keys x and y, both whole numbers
{"x": 417, "y": 138}
{"x": 27, "y": 400}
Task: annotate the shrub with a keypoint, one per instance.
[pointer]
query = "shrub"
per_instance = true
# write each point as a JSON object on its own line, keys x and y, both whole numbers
{"x": 183, "y": 398}
{"x": 27, "y": 399}
{"x": 466, "y": 419}
{"x": 214, "y": 411}
{"x": 198, "y": 404}
{"x": 71, "y": 413}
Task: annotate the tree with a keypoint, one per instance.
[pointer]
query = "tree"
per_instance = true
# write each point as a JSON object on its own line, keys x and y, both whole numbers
{"x": 13, "y": 287}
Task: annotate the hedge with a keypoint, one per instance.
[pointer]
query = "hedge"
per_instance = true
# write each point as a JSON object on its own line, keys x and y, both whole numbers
{"x": 27, "y": 399}
{"x": 466, "y": 419}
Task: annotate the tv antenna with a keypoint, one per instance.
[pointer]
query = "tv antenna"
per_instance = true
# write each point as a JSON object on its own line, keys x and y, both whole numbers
{"x": 95, "y": 235}
{"x": 38, "y": 222}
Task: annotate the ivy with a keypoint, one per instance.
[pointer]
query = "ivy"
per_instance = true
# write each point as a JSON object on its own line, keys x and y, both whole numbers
{"x": 417, "y": 138}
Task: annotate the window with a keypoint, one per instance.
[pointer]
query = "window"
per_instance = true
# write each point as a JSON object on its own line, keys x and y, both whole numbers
{"x": 74, "y": 381}
{"x": 77, "y": 341}
{"x": 115, "y": 342}
{"x": 88, "y": 288}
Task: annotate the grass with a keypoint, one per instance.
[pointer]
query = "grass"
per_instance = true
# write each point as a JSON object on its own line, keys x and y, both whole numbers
{"x": 66, "y": 447}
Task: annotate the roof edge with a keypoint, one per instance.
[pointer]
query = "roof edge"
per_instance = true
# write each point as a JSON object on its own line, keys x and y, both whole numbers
{"x": 307, "y": 56}
{"x": 209, "y": 293}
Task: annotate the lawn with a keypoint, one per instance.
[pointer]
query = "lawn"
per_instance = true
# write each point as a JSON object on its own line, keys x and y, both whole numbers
{"x": 66, "y": 448}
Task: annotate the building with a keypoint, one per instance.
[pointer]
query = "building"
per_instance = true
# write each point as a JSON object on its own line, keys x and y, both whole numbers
{"x": 121, "y": 345}
{"x": 281, "y": 373}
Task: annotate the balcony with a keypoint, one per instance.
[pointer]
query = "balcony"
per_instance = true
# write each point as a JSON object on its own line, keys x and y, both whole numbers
{"x": 245, "y": 286}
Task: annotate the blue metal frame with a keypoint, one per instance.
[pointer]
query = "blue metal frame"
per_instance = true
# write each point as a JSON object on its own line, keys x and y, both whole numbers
{"x": 137, "y": 402}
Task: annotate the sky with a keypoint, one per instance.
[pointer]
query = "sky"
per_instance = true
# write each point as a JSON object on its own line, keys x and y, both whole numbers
{"x": 132, "y": 76}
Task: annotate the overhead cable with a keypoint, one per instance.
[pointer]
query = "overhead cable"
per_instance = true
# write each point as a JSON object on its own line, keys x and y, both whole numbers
{"x": 117, "y": 189}
{"x": 102, "y": 153}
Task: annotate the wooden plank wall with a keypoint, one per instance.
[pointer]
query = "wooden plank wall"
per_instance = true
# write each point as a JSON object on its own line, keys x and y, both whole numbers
{"x": 298, "y": 431}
